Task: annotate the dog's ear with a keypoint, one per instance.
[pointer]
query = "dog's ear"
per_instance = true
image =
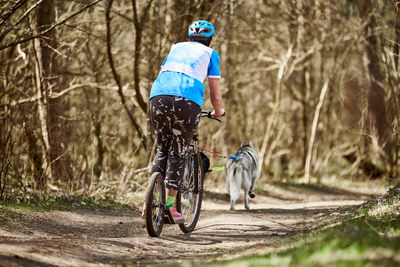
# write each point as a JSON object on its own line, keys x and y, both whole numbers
{"x": 242, "y": 144}
{"x": 251, "y": 144}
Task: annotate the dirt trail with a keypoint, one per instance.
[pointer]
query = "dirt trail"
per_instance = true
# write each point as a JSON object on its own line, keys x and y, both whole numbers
{"x": 109, "y": 237}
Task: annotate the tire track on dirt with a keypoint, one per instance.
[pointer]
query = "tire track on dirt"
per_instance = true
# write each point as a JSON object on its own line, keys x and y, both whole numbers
{"x": 114, "y": 237}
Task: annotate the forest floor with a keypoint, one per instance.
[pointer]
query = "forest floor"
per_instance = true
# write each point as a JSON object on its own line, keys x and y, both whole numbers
{"x": 87, "y": 237}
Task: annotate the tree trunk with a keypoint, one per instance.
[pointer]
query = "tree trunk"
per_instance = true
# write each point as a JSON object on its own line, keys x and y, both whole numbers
{"x": 35, "y": 156}
{"x": 51, "y": 109}
{"x": 307, "y": 166}
{"x": 139, "y": 23}
{"x": 397, "y": 34}
{"x": 116, "y": 76}
{"x": 184, "y": 14}
{"x": 6, "y": 154}
{"x": 306, "y": 112}
{"x": 231, "y": 103}
{"x": 376, "y": 95}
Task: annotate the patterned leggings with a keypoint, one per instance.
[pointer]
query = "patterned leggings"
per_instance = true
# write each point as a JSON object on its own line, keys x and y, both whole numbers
{"x": 174, "y": 119}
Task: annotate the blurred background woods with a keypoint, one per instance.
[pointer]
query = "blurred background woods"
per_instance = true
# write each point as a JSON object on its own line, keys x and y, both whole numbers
{"x": 313, "y": 84}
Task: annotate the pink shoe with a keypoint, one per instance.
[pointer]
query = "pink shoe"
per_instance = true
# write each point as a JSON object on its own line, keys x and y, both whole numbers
{"x": 178, "y": 218}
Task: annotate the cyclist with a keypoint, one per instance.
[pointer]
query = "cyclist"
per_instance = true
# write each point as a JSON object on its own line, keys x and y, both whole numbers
{"x": 176, "y": 98}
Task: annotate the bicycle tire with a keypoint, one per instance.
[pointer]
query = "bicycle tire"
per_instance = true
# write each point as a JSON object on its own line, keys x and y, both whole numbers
{"x": 155, "y": 205}
{"x": 188, "y": 202}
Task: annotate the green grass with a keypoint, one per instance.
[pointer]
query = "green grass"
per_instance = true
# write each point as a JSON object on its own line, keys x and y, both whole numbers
{"x": 72, "y": 203}
{"x": 370, "y": 237}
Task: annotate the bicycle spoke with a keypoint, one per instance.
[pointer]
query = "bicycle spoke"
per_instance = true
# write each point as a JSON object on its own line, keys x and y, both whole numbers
{"x": 190, "y": 198}
{"x": 154, "y": 200}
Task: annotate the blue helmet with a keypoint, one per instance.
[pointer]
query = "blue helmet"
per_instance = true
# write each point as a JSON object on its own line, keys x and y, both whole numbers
{"x": 201, "y": 28}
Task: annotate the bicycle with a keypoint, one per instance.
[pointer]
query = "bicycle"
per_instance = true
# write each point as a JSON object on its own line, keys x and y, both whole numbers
{"x": 189, "y": 197}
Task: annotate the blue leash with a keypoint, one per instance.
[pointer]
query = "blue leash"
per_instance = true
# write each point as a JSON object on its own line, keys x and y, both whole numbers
{"x": 236, "y": 156}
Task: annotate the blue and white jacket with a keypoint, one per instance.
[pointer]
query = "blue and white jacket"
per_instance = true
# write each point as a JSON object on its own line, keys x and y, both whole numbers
{"x": 184, "y": 70}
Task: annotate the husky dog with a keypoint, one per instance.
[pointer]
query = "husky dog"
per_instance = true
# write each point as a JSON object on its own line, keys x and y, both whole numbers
{"x": 242, "y": 172}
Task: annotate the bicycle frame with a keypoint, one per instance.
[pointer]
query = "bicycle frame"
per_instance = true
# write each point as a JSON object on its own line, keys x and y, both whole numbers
{"x": 193, "y": 190}
{"x": 195, "y": 143}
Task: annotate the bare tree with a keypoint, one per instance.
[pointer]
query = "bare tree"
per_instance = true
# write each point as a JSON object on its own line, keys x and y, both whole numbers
{"x": 397, "y": 36}
{"x": 139, "y": 22}
{"x": 80, "y": 88}
{"x": 376, "y": 94}
{"x": 50, "y": 109}
{"x": 117, "y": 77}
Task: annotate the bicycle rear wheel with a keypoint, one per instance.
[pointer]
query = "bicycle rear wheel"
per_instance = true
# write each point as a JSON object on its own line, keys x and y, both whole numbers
{"x": 190, "y": 194}
{"x": 155, "y": 205}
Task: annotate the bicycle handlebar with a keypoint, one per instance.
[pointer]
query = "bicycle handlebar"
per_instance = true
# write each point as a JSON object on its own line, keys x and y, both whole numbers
{"x": 207, "y": 113}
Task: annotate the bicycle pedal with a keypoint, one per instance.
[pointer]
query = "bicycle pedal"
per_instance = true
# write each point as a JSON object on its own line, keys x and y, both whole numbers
{"x": 180, "y": 220}
{"x": 168, "y": 217}
{"x": 167, "y": 220}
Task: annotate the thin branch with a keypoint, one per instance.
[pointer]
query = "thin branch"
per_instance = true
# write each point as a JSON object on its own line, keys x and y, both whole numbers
{"x": 122, "y": 16}
{"x": 13, "y": 9}
{"x": 114, "y": 72}
{"x": 3, "y": 34}
{"x": 135, "y": 16}
{"x": 35, "y": 98}
{"x": 302, "y": 58}
{"x": 88, "y": 33}
{"x": 139, "y": 23}
{"x": 389, "y": 40}
{"x": 50, "y": 28}
{"x": 145, "y": 13}
{"x": 313, "y": 130}
{"x": 275, "y": 109}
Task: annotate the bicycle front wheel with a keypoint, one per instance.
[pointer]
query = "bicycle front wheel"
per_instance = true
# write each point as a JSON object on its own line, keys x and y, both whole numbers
{"x": 155, "y": 205}
{"x": 190, "y": 194}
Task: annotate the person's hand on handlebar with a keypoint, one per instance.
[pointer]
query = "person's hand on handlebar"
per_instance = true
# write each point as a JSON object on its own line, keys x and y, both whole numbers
{"x": 218, "y": 113}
